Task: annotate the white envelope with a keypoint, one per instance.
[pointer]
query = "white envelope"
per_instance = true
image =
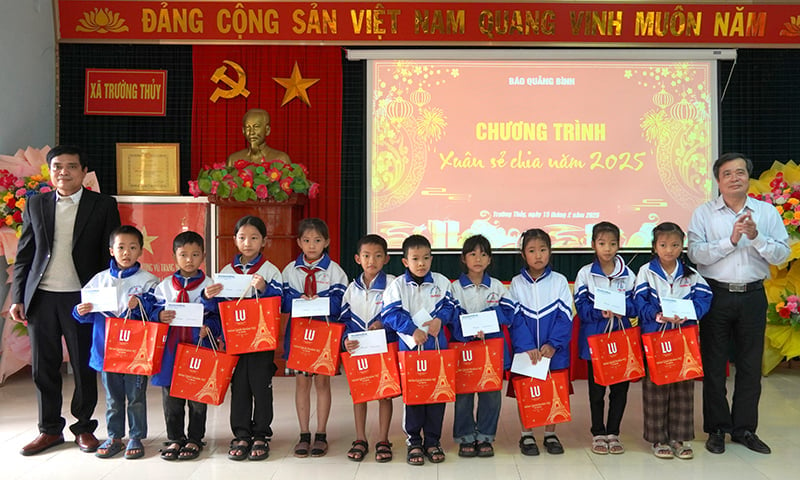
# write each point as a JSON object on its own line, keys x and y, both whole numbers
{"x": 681, "y": 307}
{"x": 418, "y": 318}
{"x": 609, "y": 299}
{"x": 233, "y": 284}
{"x": 103, "y": 299}
{"x": 369, "y": 342}
{"x": 186, "y": 314}
{"x": 318, "y": 307}
{"x": 485, "y": 321}
{"x": 521, "y": 364}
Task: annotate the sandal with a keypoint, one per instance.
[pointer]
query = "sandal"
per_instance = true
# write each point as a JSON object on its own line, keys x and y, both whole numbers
{"x": 239, "y": 449}
{"x": 527, "y": 445}
{"x": 468, "y": 450}
{"x": 681, "y": 450}
{"x": 383, "y": 452}
{"x": 662, "y": 450}
{"x": 415, "y": 455}
{"x": 190, "y": 451}
{"x": 134, "y": 450}
{"x": 358, "y": 451}
{"x": 301, "y": 449}
{"x": 172, "y": 450}
{"x": 435, "y": 454}
{"x": 615, "y": 447}
{"x": 320, "y": 446}
{"x": 553, "y": 445}
{"x": 109, "y": 448}
{"x": 259, "y": 450}
{"x": 485, "y": 450}
{"x": 600, "y": 445}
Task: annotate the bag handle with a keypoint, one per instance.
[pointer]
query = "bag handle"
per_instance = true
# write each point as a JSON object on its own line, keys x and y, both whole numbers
{"x": 141, "y": 309}
{"x": 211, "y": 340}
{"x": 244, "y": 293}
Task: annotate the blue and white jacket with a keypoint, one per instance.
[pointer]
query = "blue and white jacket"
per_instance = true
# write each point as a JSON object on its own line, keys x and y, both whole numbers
{"x": 590, "y": 277}
{"x": 362, "y": 305}
{"x": 331, "y": 283}
{"x": 403, "y": 298}
{"x": 545, "y": 309}
{"x": 129, "y": 282}
{"x": 490, "y": 294}
{"x": 653, "y": 283}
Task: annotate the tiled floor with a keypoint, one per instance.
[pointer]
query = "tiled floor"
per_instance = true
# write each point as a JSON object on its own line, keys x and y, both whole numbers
{"x": 779, "y": 427}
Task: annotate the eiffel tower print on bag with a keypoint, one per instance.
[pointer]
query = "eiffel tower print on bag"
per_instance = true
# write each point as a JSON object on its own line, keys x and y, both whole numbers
{"x": 315, "y": 346}
{"x": 428, "y": 376}
{"x": 479, "y": 365}
{"x": 250, "y": 325}
{"x": 616, "y": 356}
{"x": 673, "y": 355}
{"x": 202, "y": 374}
{"x": 372, "y": 377}
{"x": 543, "y": 402}
{"x": 134, "y": 346}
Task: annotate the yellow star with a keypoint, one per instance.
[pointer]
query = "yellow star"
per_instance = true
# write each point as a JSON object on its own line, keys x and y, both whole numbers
{"x": 296, "y": 86}
{"x": 148, "y": 240}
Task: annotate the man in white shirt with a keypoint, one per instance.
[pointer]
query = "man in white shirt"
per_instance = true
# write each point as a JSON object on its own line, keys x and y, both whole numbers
{"x": 733, "y": 239}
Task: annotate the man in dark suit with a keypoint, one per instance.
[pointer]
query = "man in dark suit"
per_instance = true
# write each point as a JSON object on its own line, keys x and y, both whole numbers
{"x": 64, "y": 243}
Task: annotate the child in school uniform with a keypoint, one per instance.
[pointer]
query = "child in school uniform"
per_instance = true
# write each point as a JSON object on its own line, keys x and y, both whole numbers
{"x": 186, "y": 285}
{"x": 312, "y": 275}
{"x": 475, "y": 291}
{"x": 668, "y": 409}
{"x": 251, "y": 385}
{"x": 545, "y": 307}
{"x": 607, "y": 271}
{"x": 361, "y": 311}
{"x": 419, "y": 289}
{"x": 131, "y": 281}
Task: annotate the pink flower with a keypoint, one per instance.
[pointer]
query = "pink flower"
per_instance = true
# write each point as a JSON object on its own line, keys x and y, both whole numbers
{"x": 46, "y": 189}
{"x": 305, "y": 170}
{"x": 20, "y": 192}
{"x": 262, "y": 192}
{"x": 273, "y": 174}
{"x": 313, "y": 191}
{"x": 19, "y": 182}
{"x": 218, "y": 165}
{"x": 793, "y": 299}
{"x": 214, "y": 186}
{"x": 792, "y": 306}
{"x": 286, "y": 185}
{"x": 194, "y": 189}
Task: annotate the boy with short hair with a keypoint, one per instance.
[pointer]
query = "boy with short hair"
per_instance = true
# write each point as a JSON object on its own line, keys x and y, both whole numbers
{"x": 186, "y": 285}
{"x": 420, "y": 290}
{"x": 131, "y": 281}
{"x": 361, "y": 310}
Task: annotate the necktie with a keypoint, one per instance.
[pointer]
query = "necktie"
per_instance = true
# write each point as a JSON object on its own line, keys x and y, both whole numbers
{"x": 310, "y": 286}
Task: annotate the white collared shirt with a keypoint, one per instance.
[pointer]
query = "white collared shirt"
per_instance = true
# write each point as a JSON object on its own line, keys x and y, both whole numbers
{"x": 717, "y": 258}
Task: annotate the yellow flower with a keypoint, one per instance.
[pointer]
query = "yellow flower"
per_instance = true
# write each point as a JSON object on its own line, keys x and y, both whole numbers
{"x": 21, "y": 204}
{"x": 9, "y": 220}
{"x": 8, "y": 196}
{"x": 45, "y": 169}
{"x": 779, "y": 209}
{"x": 779, "y": 306}
{"x": 793, "y": 201}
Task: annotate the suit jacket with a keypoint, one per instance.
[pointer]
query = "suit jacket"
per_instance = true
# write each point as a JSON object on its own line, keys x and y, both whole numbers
{"x": 96, "y": 218}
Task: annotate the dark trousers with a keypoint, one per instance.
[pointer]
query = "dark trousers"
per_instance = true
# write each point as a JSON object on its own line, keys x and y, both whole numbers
{"x": 174, "y": 416}
{"x": 741, "y": 318}
{"x": 251, "y": 396}
{"x": 50, "y": 318}
{"x": 617, "y": 399}
{"x": 423, "y": 419}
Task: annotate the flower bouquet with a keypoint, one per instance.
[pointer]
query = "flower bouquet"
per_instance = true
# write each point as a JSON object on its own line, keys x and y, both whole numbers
{"x": 248, "y": 181}
{"x": 15, "y": 192}
{"x": 785, "y": 312}
{"x": 786, "y": 199}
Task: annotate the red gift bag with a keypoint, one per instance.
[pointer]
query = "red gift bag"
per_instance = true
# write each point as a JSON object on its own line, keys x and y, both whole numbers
{"x": 479, "y": 366}
{"x": 314, "y": 346}
{"x": 673, "y": 355}
{"x": 134, "y": 346}
{"x": 616, "y": 356}
{"x": 372, "y": 377}
{"x": 201, "y": 374}
{"x": 543, "y": 402}
{"x": 251, "y": 325}
{"x": 428, "y": 376}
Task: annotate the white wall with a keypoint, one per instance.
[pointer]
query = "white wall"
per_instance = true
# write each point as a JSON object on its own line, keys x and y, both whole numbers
{"x": 27, "y": 75}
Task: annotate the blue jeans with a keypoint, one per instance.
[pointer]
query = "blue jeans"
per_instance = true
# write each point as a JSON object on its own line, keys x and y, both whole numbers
{"x": 467, "y": 427}
{"x": 120, "y": 386}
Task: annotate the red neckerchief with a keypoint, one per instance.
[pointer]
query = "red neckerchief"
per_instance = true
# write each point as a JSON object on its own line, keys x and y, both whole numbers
{"x": 310, "y": 286}
{"x": 253, "y": 268}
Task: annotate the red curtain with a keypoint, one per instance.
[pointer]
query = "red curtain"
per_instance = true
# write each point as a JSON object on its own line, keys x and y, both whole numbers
{"x": 310, "y": 135}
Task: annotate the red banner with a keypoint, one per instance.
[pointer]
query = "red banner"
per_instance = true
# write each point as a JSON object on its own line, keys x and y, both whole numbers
{"x": 428, "y": 23}
{"x": 126, "y": 92}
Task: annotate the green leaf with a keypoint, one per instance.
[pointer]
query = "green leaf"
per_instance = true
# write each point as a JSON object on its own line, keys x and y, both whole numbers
{"x": 224, "y": 191}
{"x": 240, "y": 194}
{"x": 204, "y": 184}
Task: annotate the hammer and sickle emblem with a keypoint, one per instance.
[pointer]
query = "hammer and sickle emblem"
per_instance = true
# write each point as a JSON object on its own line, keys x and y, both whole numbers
{"x": 237, "y": 87}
